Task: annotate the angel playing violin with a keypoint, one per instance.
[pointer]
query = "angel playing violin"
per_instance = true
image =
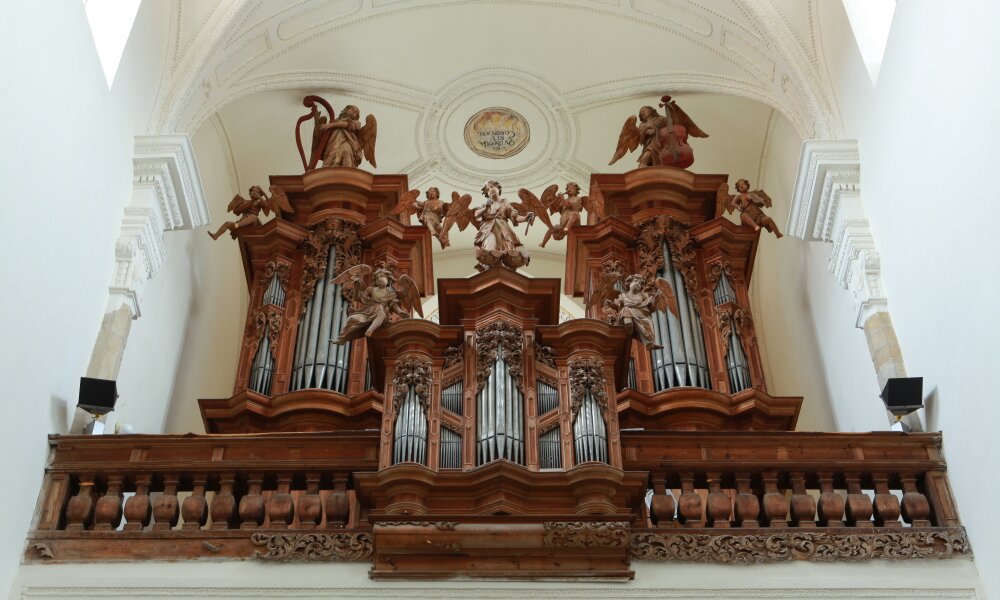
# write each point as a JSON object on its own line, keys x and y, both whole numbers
{"x": 664, "y": 138}
{"x": 341, "y": 142}
{"x": 249, "y": 210}
{"x": 750, "y": 203}
{"x": 568, "y": 206}
{"x": 376, "y": 299}
{"x": 625, "y": 302}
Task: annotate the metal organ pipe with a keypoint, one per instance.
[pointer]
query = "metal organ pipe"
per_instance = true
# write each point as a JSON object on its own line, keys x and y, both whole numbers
{"x": 317, "y": 362}
{"x": 590, "y": 432}
{"x": 451, "y": 449}
{"x": 500, "y": 411}
{"x": 683, "y": 360}
{"x": 410, "y": 436}
{"x": 550, "y": 449}
{"x": 737, "y": 367}
{"x": 262, "y": 368}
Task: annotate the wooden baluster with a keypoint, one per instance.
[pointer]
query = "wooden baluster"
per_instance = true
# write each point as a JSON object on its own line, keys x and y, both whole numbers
{"x": 80, "y": 508}
{"x": 165, "y": 507}
{"x": 224, "y": 503}
{"x": 916, "y": 508}
{"x": 252, "y": 504}
{"x": 803, "y": 506}
{"x": 108, "y": 510}
{"x": 662, "y": 506}
{"x": 281, "y": 506}
{"x": 310, "y": 504}
{"x": 338, "y": 507}
{"x": 746, "y": 505}
{"x": 689, "y": 506}
{"x": 775, "y": 504}
{"x": 859, "y": 505}
{"x": 886, "y": 503}
{"x": 194, "y": 509}
{"x": 138, "y": 510}
{"x": 831, "y": 504}
{"x": 717, "y": 506}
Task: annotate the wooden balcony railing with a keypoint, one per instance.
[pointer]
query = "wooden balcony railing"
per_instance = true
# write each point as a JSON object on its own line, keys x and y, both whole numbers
{"x": 714, "y": 497}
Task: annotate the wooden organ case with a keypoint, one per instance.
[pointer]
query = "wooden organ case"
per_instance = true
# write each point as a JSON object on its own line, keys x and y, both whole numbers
{"x": 500, "y": 449}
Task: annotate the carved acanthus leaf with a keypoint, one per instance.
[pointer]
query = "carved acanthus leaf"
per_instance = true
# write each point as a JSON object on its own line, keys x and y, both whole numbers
{"x": 814, "y": 546}
{"x": 587, "y": 375}
{"x": 653, "y": 233}
{"x": 341, "y": 234}
{"x": 279, "y": 268}
{"x": 415, "y": 372}
{"x": 452, "y": 356}
{"x": 585, "y": 534}
{"x": 284, "y": 547}
{"x": 731, "y": 318}
{"x": 545, "y": 355}
{"x": 499, "y": 339}
{"x": 717, "y": 271}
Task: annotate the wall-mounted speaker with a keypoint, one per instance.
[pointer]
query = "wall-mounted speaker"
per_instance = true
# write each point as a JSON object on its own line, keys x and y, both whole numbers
{"x": 97, "y": 396}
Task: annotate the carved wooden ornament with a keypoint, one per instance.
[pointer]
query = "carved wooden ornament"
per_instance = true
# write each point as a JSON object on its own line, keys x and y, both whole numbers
{"x": 499, "y": 339}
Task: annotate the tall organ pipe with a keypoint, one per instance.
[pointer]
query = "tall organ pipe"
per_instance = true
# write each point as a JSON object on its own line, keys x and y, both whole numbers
{"x": 317, "y": 362}
{"x": 410, "y": 436}
{"x": 500, "y": 417}
{"x": 683, "y": 360}
{"x": 262, "y": 368}
{"x": 590, "y": 432}
{"x": 737, "y": 367}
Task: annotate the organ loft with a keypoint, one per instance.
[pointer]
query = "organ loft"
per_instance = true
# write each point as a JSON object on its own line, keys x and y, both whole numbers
{"x": 498, "y": 439}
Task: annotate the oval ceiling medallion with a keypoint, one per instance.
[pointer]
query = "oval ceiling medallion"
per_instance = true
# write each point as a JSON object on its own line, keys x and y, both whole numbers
{"x": 497, "y": 132}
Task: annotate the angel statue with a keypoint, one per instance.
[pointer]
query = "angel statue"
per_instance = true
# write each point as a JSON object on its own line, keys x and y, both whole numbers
{"x": 376, "y": 299}
{"x": 340, "y": 142}
{"x": 567, "y": 205}
{"x": 432, "y": 212}
{"x": 625, "y": 301}
{"x": 750, "y": 204}
{"x": 664, "y": 138}
{"x": 496, "y": 243}
{"x": 249, "y": 210}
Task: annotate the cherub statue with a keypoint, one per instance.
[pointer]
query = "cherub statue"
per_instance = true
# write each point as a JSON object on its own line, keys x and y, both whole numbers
{"x": 750, "y": 204}
{"x": 432, "y": 212}
{"x": 567, "y": 205}
{"x": 340, "y": 142}
{"x": 496, "y": 243}
{"x": 625, "y": 301}
{"x": 664, "y": 138}
{"x": 249, "y": 210}
{"x": 376, "y": 299}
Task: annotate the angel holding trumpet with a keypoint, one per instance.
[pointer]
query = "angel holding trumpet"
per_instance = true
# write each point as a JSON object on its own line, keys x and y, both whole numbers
{"x": 248, "y": 210}
{"x": 378, "y": 296}
{"x": 568, "y": 205}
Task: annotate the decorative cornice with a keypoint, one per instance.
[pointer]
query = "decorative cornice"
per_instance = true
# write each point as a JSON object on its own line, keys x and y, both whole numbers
{"x": 827, "y": 169}
{"x": 813, "y": 546}
{"x": 166, "y": 164}
{"x": 285, "y": 547}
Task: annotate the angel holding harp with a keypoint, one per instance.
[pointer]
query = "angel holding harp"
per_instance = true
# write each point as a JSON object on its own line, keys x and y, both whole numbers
{"x": 626, "y": 302}
{"x": 249, "y": 209}
{"x": 750, "y": 203}
{"x": 664, "y": 138}
{"x": 340, "y": 142}
{"x": 568, "y": 206}
{"x": 377, "y": 297}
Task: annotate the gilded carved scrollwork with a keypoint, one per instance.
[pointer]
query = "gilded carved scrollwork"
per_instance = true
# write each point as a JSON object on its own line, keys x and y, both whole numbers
{"x": 499, "y": 339}
{"x": 284, "y": 547}
{"x": 332, "y": 231}
{"x": 587, "y": 375}
{"x": 585, "y": 534}
{"x": 682, "y": 252}
{"x": 411, "y": 371}
{"x": 813, "y": 546}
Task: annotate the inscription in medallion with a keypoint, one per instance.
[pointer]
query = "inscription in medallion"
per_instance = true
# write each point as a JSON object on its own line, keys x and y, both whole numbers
{"x": 497, "y": 133}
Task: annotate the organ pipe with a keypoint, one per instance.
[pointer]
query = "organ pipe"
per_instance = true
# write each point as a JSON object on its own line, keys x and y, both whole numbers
{"x": 318, "y": 363}
{"x": 500, "y": 417}
{"x": 590, "y": 432}
{"x": 550, "y": 449}
{"x": 410, "y": 436}
{"x": 262, "y": 367}
{"x": 451, "y": 449}
{"x": 683, "y": 360}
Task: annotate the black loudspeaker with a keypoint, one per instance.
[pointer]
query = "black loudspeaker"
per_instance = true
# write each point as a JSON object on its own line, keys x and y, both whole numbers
{"x": 903, "y": 395}
{"x": 97, "y": 396}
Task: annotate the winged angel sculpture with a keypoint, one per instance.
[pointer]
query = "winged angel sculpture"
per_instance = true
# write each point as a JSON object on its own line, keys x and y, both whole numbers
{"x": 626, "y": 301}
{"x": 340, "y": 142}
{"x": 378, "y": 297}
{"x": 568, "y": 205}
{"x": 434, "y": 214}
{"x": 750, "y": 203}
{"x": 664, "y": 138}
{"x": 249, "y": 209}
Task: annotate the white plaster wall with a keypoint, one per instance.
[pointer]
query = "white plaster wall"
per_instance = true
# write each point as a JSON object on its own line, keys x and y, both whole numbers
{"x": 917, "y": 579}
{"x": 928, "y": 144}
{"x": 66, "y": 168}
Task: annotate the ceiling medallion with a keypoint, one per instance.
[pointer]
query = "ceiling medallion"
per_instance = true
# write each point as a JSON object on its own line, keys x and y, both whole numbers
{"x": 497, "y": 132}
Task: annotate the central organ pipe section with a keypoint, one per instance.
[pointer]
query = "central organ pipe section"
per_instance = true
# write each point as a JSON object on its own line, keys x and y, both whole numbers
{"x": 683, "y": 361}
{"x": 318, "y": 363}
{"x": 500, "y": 399}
